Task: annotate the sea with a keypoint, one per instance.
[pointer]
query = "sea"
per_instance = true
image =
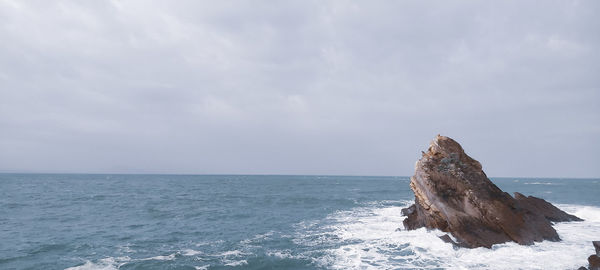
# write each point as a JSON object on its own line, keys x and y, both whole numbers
{"x": 106, "y": 221}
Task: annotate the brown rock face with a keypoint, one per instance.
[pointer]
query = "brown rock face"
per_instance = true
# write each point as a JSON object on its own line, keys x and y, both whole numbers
{"x": 594, "y": 262}
{"x": 544, "y": 208}
{"x": 453, "y": 194}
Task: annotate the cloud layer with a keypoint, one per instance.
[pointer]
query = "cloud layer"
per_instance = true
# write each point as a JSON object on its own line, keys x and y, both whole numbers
{"x": 298, "y": 87}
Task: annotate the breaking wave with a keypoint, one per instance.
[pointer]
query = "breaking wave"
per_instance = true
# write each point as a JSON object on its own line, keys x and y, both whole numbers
{"x": 372, "y": 238}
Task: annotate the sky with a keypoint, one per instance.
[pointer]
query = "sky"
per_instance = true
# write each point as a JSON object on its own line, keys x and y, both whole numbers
{"x": 298, "y": 87}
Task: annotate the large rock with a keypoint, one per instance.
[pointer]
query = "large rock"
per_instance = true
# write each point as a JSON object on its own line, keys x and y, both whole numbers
{"x": 453, "y": 194}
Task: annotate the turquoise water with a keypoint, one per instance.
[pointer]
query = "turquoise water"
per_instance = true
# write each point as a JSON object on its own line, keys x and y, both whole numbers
{"x": 55, "y": 221}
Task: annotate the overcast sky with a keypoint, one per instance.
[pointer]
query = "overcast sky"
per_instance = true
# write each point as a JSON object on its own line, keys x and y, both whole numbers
{"x": 298, "y": 87}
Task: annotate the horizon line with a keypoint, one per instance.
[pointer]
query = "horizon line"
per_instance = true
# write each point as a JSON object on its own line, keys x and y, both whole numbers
{"x": 269, "y": 174}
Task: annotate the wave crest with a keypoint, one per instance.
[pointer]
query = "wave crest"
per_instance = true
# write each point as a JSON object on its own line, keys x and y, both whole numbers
{"x": 372, "y": 237}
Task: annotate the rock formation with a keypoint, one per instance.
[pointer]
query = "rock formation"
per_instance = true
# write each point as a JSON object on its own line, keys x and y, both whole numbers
{"x": 594, "y": 260}
{"x": 453, "y": 194}
{"x": 544, "y": 208}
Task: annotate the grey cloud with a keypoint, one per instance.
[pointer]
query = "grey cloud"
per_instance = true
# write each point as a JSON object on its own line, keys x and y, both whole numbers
{"x": 302, "y": 87}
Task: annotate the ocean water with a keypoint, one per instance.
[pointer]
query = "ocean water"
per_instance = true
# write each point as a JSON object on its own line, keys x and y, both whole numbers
{"x": 54, "y": 221}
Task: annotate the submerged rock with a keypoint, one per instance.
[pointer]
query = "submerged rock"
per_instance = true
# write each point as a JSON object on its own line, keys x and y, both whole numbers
{"x": 453, "y": 194}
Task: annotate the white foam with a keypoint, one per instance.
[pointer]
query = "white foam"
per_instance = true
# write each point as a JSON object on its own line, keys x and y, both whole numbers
{"x": 370, "y": 238}
{"x": 169, "y": 257}
{"x": 286, "y": 254}
{"x": 543, "y": 183}
{"x": 88, "y": 265}
{"x": 588, "y": 213}
{"x": 232, "y": 253}
{"x": 232, "y": 257}
{"x": 190, "y": 252}
{"x": 113, "y": 263}
{"x": 236, "y": 263}
{"x": 109, "y": 263}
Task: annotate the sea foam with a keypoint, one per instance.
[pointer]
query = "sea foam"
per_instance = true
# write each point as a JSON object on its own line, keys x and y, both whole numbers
{"x": 372, "y": 237}
{"x": 110, "y": 263}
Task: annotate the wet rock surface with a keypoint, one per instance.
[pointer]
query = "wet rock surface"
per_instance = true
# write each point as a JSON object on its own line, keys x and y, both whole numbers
{"x": 594, "y": 260}
{"x": 454, "y": 195}
{"x": 544, "y": 208}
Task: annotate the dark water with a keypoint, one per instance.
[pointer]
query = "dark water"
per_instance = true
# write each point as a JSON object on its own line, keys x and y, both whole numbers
{"x": 246, "y": 222}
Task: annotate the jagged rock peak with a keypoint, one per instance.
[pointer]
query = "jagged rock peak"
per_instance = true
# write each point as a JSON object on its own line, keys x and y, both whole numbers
{"x": 453, "y": 194}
